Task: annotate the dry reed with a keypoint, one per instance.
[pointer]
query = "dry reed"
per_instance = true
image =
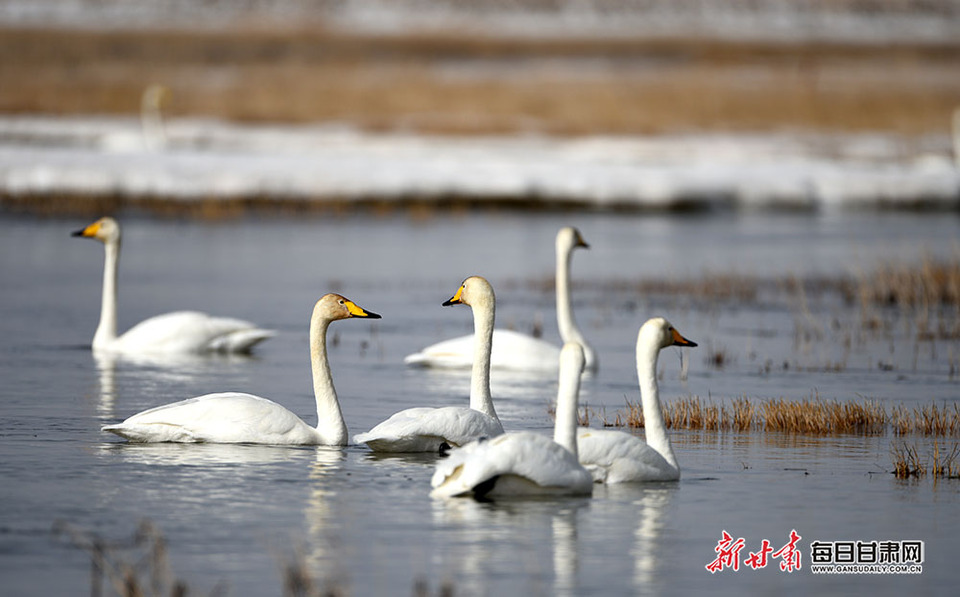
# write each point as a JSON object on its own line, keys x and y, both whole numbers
{"x": 930, "y": 420}
{"x": 929, "y": 284}
{"x": 139, "y": 567}
{"x": 813, "y": 416}
{"x": 907, "y": 461}
{"x": 133, "y": 567}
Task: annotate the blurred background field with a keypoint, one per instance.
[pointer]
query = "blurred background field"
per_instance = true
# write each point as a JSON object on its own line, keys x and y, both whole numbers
{"x": 496, "y": 67}
{"x": 882, "y": 73}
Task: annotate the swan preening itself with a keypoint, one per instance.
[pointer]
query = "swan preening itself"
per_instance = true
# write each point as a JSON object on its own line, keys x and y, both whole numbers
{"x": 437, "y": 429}
{"x": 513, "y": 350}
{"x": 523, "y": 463}
{"x": 234, "y": 417}
{"x": 172, "y": 333}
{"x": 618, "y": 457}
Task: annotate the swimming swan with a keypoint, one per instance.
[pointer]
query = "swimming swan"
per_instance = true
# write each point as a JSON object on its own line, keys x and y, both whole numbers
{"x": 235, "y": 418}
{"x": 523, "y": 463}
{"x": 172, "y": 333}
{"x": 513, "y": 350}
{"x": 438, "y": 429}
{"x": 618, "y": 457}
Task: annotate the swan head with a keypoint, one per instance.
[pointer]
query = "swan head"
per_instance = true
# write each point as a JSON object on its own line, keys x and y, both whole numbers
{"x": 658, "y": 332}
{"x": 474, "y": 291}
{"x": 334, "y": 306}
{"x": 104, "y": 230}
{"x": 569, "y": 238}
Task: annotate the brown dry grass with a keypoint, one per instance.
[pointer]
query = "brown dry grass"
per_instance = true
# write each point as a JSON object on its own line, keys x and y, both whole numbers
{"x": 922, "y": 285}
{"x": 907, "y": 461}
{"x": 432, "y": 82}
{"x": 812, "y": 416}
{"x": 928, "y": 419}
{"x": 132, "y": 567}
{"x": 140, "y": 565}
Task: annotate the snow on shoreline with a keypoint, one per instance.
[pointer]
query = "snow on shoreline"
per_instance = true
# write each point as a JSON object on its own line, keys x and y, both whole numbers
{"x": 204, "y": 159}
{"x": 849, "y": 21}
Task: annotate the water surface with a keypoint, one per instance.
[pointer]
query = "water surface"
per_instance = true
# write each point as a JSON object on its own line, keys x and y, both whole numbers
{"x": 235, "y": 515}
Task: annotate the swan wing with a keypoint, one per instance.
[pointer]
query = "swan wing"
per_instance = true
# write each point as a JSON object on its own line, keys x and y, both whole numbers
{"x": 618, "y": 457}
{"x": 511, "y": 350}
{"x": 191, "y": 332}
{"x": 516, "y": 464}
{"x": 226, "y": 417}
{"x": 425, "y": 429}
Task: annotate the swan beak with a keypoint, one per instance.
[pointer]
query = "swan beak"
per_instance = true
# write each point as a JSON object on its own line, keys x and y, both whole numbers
{"x": 89, "y": 231}
{"x": 456, "y": 300}
{"x": 356, "y": 311}
{"x": 679, "y": 340}
{"x": 580, "y": 242}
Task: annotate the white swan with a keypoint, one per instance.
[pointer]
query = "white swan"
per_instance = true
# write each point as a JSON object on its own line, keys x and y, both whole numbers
{"x": 234, "y": 417}
{"x": 513, "y": 350}
{"x": 151, "y": 116}
{"x": 438, "y": 429}
{"x": 523, "y": 463}
{"x": 618, "y": 457}
{"x": 172, "y": 333}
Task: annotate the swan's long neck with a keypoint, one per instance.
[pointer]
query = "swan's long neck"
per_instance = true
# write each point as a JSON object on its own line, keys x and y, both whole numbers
{"x": 656, "y": 430}
{"x": 107, "y": 328}
{"x": 565, "y": 427}
{"x": 483, "y": 318}
{"x": 330, "y": 424}
{"x": 569, "y": 332}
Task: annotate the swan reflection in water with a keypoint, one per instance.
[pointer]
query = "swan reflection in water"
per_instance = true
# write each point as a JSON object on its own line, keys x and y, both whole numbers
{"x": 650, "y": 505}
{"x": 146, "y": 371}
{"x": 202, "y": 456}
{"x": 324, "y": 558}
{"x": 478, "y": 528}
{"x": 483, "y": 540}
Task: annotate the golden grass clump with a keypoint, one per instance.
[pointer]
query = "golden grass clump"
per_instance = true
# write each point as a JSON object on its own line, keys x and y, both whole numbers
{"x": 813, "y": 416}
{"x": 691, "y": 413}
{"x": 907, "y": 462}
{"x": 817, "y": 416}
{"x": 926, "y": 420}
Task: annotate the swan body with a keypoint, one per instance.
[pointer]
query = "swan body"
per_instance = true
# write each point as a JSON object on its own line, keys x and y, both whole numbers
{"x": 513, "y": 350}
{"x": 234, "y": 417}
{"x": 618, "y": 457}
{"x": 429, "y": 430}
{"x": 436, "y": 429}
{"x": 523, "y": 464}
{"x": 180, "y": 332}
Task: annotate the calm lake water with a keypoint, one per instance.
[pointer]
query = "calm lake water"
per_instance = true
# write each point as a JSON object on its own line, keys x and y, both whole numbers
{"x": 234, "y": 516}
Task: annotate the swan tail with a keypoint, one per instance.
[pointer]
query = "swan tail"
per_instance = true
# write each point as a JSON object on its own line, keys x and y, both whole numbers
{"x": 437, "y": 360}
{"x": 417, "y": 359}
{"x": 451, "y": 483}
{"x": 139, "y": 433}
